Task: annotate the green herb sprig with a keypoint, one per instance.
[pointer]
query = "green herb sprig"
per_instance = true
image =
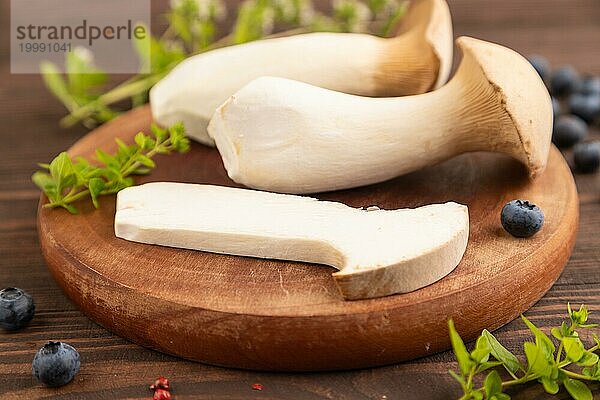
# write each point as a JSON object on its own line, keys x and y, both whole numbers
{"x": 193, "y": 28}
{"x": 64, "y": 180}
{"x": 545, "y": 363}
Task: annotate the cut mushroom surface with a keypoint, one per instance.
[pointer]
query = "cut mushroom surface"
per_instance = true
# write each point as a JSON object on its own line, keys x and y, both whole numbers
{"x": 417, "y": 60}
{"x": 286, "y": 136}
{"x": 377, "y": 252}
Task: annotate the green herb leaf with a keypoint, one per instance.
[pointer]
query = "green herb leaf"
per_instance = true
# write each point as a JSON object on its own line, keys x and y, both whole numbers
{"x": 492, "y": 384}
{"x": 577, "y": 389}
{"x": 579, "y": 317}
{"x": 70, "y": 208}
{"x": 541, "y": 339}
{"x": 47, "y": 184}
{"x": 484, "y": 366}
{"x": 588, "y": 359}
{"x": 536, "y": 360}
{"x": 146, "y": 161}
{"x": 68, "y": 182}
{"x": 104, "y": 157}
{"x": 573, "y": 347}
{"x": 96, "y": 186}
{"x": 160, "y": 133}
{"x": 500, "y": 353}
{"x": 543, "y": 365}
{"x": 462, "y": 355}
{"x": 481, "y": 353}
{"x": 457, "y": 377}
{"x": 476, "y": 395}
{"x": 550, "y": 385}
{"x": 556, "y": 333}
{"x": 56, "y": 84}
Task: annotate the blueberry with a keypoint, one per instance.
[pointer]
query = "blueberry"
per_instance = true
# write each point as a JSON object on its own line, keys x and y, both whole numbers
{"x": 590, "y": 85}
{"x": 585, "y": 106}
{"x": 556, "y": 109}
{"x": 569, "y": 130}
{"x": 587, "y": 157}
{"x": 56, "y": 364}
{"x": 16, "y": 308}
{"x": 564, "y": 81}
{"x": 541, "y": 65}
{"x": 521, "y": 218}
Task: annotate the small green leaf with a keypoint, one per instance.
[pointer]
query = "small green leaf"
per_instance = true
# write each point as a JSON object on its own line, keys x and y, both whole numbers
{"x": 596, "y": 339}
{"x": 61, "y": 166}
{"x": 62, "y": 171}
{"x": 588, "y": 359}
{"x": 43, "y": 180}
{"x": 142, "y": 171}
{"x": 122, "y": 146}
{"x": 492, "y": 384}
{"x": 577, "y": 389}
{"x": 573, "y": 348}
{"x": 143, "y": 49}
{"x": 460, "y": 351}
{"x": 56, "y": 84}
{"x": 556, "y": 333}
{"x": 481, "y": 353}
{"x": 500, "y": 353}
{"x": 579, "y": 317}
{"x": 70, "y": 208}
{"x": 457, "y": 377}
{"x": 160, "y": 133}
{"x": 96, "y": 186}
{"x": 565, "y": 330}
{"x": 484, "y": 366}
{"x": 540, "y": 337}
{"x": 105, "y": 158}
{"x": 84, "y": 78}
{"x": 476, "y": 395}
{"x": 145, "y": 161}
{"x": 140, "y": 140}
{"x": 69, "y": 180}
{"x": 536, "y": 360}
{"x": 178, "y": 139}
{"x": 550, "y": 386}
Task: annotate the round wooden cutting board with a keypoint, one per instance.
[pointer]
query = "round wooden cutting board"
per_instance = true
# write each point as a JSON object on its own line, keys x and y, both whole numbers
{"x": 274, "y": 315}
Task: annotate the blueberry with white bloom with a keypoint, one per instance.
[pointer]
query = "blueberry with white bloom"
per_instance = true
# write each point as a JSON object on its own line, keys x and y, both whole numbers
{"x": 56, "y": 364}
{"x": 569, "y": 130}
{"x": 16, "y": 308}
{"x": 521, "y": 218}
{"x": 587, "y": 157}
{"x": 564, "y": 81}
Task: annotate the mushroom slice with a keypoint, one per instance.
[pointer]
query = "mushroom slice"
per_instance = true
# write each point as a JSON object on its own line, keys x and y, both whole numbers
{"x": 417, "y": 60}
{"x": 378, "y": 252}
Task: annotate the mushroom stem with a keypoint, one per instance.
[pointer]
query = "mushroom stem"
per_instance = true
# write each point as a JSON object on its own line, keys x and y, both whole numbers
{"x": 415, "y": 61}
{"x": 285, "y": 136}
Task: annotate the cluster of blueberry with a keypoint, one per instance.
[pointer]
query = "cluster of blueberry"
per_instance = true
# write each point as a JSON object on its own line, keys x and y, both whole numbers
{"x": 576, "y": 104}
{"x": 56, "y": 363}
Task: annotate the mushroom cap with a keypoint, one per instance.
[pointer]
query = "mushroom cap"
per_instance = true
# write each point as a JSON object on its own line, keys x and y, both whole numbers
{"x": 523, "y": 96}
{"x": 436, "y": 21}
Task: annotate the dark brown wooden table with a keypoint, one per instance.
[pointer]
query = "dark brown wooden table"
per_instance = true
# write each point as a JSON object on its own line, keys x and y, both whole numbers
{"x": 566, "y": 31}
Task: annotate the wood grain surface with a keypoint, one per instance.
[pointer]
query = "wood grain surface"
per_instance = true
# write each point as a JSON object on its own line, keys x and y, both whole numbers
{"x": 274, "y": 315}
{"x": 566, "y": 31}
